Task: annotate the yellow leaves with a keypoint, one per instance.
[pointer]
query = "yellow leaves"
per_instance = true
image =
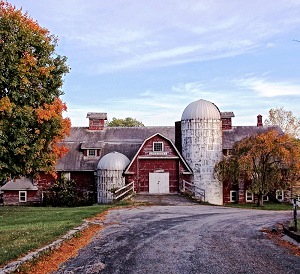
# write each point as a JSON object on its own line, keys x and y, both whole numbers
{"x": 5, "y": 104}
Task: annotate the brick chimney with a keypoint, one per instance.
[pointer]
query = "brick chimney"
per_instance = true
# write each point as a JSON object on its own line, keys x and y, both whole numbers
{"x": 259, "y": 120}
{"x": 226, "y": 120}
{"x": 96, "y": 120}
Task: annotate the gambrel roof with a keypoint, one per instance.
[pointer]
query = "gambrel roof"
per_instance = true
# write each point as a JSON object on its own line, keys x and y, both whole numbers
{"x": 172, "y": 145}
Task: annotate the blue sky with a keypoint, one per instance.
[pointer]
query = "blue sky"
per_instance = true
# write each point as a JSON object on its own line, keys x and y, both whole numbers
{"x": 150, "y": 59}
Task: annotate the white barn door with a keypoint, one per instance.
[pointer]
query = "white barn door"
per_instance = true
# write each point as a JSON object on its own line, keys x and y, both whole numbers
{"x": 159, "y": 182}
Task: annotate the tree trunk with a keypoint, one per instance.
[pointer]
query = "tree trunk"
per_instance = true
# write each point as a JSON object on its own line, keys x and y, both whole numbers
{"x": 260, "y": 201}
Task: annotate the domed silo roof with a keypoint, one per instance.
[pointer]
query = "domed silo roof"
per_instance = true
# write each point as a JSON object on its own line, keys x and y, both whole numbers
{"x": 201, "y": 109}
{"x": 113, "y": 161}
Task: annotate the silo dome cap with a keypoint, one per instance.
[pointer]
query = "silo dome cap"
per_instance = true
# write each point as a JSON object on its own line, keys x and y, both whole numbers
{"x": 201, "y": 109}
{"x": 113, "y": 161}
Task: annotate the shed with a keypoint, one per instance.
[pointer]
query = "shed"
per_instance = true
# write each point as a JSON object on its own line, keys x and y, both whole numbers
{"x": 20, "y": 191}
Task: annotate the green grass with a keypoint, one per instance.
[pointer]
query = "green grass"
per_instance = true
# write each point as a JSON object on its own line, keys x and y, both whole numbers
{"x": 267, "y": 206}
{"x": 25, "y": 229}
{"x": 292, "y": 224}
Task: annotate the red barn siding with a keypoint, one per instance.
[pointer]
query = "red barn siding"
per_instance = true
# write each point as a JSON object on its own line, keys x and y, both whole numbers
{"x": 148, "y": 161}
{"x": 241, "y": 189}
{"x": 85, "y": 180}
{"x": 11, "y": 197}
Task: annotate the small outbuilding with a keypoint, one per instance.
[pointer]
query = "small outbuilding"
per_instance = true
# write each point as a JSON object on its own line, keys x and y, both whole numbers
{"x": 20, "y": 192}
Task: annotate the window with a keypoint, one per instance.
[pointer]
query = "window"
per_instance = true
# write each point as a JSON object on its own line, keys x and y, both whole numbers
{"x": 157, "y": 146}
{"x": 92, "y": 152}
{"x": 22, "y": 196}
{"x": 280, "y": 195}
{"x": 249, "y": 196}
{"x": 66, "y": 176}
{"x": 233, "y": 196}
{"x": 265, "y": 198}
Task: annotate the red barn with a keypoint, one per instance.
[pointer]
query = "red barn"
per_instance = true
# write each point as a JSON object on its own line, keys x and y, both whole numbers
{"x": 156, "y": 163}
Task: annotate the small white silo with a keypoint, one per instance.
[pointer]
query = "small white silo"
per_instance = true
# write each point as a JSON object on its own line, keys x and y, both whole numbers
{"x": 201, "y": 130}
{"x": 110, "y": 175}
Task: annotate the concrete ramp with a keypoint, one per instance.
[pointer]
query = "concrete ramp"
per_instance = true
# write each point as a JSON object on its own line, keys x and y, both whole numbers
{"x": 163, "y": 199}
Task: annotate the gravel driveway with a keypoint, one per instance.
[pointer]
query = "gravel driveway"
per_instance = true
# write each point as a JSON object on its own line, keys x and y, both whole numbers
{"x": 185, "y": 239}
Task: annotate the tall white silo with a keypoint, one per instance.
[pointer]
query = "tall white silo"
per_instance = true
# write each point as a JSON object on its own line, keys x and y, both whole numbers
{"x": 110, "y": 175}
{"x": 201, "y": 130}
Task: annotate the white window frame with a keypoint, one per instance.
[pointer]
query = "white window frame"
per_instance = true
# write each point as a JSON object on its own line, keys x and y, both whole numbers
{"x": 252, "y": 196}
{"x": 66, "y": 176}
{"x": 93, "y": 154}
{"x": 161, "y": 147}
{"x": 265, "y": 198}
{"x": 280, "y": 193}
{"x": 231, "y": 196}
{"x": 22, "y": 198}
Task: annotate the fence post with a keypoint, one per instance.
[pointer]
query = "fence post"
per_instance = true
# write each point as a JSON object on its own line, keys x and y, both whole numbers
{"x": 295, "y": 214}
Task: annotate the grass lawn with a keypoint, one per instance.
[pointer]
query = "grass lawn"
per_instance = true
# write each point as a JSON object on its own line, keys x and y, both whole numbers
{"x": 23, "y": 229}
{"x": 267, "y": 206}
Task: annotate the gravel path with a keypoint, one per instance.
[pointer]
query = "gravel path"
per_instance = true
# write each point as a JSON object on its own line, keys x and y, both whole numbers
{"x": 185, "y": 239}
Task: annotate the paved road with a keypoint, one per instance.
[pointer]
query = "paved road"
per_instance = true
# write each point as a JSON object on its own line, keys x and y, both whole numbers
{"x": 185, "y": 239}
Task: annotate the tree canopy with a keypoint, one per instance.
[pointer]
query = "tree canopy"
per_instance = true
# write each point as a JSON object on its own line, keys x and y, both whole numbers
{"x": 31, "y": 121}
{"x": 127, "y": 122}
{"x": 285, "y": 120}
{"x": 271, "y": 160}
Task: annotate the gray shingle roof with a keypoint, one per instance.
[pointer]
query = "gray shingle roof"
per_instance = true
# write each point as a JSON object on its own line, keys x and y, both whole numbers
{"x": 126, "y": 140}
{"x": 19, "y": 184}
{"x": 238, "y": 133}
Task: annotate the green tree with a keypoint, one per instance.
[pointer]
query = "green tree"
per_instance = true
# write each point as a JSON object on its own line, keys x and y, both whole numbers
{"x": 127, "y": 122}
{"x": 285, "y": 120}
{"x": 31, "y": 122}
{"x": 271, "y": 160}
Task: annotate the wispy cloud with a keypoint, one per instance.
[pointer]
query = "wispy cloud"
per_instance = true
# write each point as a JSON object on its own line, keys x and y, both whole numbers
{"x": 266, "y": 88}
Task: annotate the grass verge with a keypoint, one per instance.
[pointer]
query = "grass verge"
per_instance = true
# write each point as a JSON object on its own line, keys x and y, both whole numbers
{"x": 25, "y": 229}
{"x": 267, "y": 206}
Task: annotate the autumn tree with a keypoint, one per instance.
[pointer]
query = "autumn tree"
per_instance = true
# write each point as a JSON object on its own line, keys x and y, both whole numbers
{"x": 31, "y": 121}
{"x": 285, "y": 120}
{"x": 270, "y": 160}
{"x": 127, "y": 122}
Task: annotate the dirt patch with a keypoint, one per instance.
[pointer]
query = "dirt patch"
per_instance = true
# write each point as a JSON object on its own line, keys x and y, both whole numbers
{"x": 276, "y": 235}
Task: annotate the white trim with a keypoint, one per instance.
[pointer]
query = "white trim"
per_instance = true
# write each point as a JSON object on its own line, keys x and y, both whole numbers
{"x": 142, "y": 145}
{"x": 161, "y": 147}
{"x": 246, "y": 196}
{"x": 280, "y": 193}
{"x": 94, "y": 154}
{"x": 25, "y": 196}
{"x": 231, "y": 196}
{"x": 265, "y": 198}
{"x": 156, "y": 157}
{"x": 66, "y": 176}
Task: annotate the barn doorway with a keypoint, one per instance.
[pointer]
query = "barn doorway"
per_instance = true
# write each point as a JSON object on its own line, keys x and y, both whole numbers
{"x": 159, "y": 183}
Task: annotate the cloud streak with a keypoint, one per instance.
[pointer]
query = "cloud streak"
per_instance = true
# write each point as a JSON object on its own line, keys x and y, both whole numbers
{"x": 266, "y": 88}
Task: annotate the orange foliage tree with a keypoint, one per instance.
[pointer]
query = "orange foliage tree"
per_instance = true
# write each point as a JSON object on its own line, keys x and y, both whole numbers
{"x": 271, "y": 160}
{"x": 31, "y": 121}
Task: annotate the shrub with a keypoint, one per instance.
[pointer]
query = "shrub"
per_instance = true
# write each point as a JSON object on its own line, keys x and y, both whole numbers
{"x": 66, "y": 193}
